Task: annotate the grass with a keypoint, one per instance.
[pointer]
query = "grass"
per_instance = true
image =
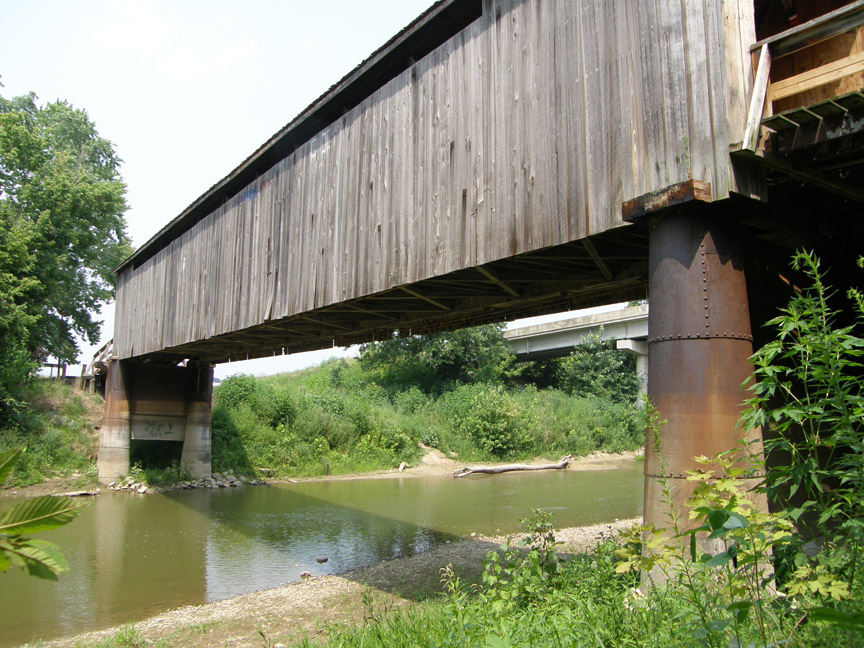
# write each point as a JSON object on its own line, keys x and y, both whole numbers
{"x": 333, "y": 420}
{"x": 581, "y": 602}
{"x": 57, "y": 430}
{"x": 328, "y": 420}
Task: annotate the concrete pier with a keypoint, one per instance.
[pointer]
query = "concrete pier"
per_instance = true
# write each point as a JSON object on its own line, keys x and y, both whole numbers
{"x": 196, "y": 444}
{"x": 115, "y": 433}
{"x": 152, "y": 402}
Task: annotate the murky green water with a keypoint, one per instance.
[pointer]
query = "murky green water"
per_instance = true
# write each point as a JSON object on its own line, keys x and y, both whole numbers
{"x": 134, "y": 556}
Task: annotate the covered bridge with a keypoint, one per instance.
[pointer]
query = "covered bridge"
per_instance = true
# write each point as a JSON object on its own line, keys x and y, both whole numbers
{"x": 505, "y": 158}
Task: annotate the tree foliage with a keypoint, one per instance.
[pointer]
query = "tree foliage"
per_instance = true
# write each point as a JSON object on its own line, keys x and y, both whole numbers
{"x": 61, "y": 232}
{"x": 434, "y": 362}
{"x": 596, "y": 368}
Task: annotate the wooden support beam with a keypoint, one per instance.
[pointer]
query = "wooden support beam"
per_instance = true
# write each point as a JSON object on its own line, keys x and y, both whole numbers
{"x": 323, "y": 323}
{"x": 817, "y": 77}
{"x": 424, "y": 298}
{"x": 804, "y": 174}
{"x": 536, "y": 267}
{"x": 287, "y": 331}
{"x": 677, "y": 194}
{"x": 757, "y": 100}
{"x": 503, "y": 286}
{"x": 357, "y": 309}
{"x": 598, "y": 260}
{"x": 815, "y": 31}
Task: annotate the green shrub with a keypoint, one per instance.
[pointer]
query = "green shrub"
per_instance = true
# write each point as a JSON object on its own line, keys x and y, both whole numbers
{"x": 430, "y": 437}
{"x": 55, "y": 430}
{"x": 228, "y": 450}
{"x": 410, "y": 400}
{"x": 236, "y": 389}
{"x": 436, "y": 362}
{"x": 596, "y": 369}
{"x": 491, "y": 418}
{"x": 277, "y": 407}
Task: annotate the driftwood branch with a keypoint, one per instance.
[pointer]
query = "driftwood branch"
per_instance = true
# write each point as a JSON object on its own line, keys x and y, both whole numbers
{"x": 495, "y": 470}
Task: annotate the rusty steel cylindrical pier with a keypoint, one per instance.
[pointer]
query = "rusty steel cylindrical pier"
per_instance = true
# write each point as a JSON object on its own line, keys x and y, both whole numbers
{"x": 699, "y": 344}
{"x": 114, "y": 436}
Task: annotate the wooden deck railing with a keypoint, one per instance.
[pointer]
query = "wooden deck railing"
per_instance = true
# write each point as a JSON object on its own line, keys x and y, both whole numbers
{"x": 830, "y": 49}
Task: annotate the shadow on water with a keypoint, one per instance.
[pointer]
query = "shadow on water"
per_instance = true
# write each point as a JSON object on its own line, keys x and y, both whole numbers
{"x": 272, "y": 534}
{"x": 269, "y": 535}
{"x": 131, "y": 557}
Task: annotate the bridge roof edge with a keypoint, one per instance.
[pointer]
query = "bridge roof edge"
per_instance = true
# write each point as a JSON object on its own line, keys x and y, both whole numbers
{"x": 384, "y": 64}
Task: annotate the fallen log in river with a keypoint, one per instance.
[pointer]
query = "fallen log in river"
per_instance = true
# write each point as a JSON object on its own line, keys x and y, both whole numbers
{"x": 495, "y": 470}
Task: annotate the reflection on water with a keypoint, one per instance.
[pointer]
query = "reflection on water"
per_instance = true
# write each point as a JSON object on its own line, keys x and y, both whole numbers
{"x": 131, "y": 556}
{"x": 275, "y": 533}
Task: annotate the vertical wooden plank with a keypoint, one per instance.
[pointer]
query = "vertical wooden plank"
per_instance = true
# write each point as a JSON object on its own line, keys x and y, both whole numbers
{"x": 671, "y": 75}
{"x": 699, "y": 147}
{"x": 590, "y": 45}
{"x": 739, "y": 33}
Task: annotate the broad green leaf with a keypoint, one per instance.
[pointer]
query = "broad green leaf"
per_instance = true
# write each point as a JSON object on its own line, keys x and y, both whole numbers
{"x": 720, "y": 559}
{"x": 39, "y": 514}
{"x": 717, "y": 517}
{"x": 37, "y": 557}
{"x": 4, "y": 559}
{"x": 735, "y": 521}
{"x": 740, "y": 609}
{"x": 7, "y": 462}
{"x": 693, "y": 531}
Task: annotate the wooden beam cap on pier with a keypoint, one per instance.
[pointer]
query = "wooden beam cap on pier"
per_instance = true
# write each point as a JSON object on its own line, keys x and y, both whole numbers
{"x": 677, "y": 194}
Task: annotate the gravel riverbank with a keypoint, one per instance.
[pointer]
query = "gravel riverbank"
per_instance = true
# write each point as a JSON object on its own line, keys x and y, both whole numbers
{"x": 287, "y": 614}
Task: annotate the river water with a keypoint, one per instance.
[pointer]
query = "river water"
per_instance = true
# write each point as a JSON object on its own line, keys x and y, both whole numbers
{"x": 133, "y": 556}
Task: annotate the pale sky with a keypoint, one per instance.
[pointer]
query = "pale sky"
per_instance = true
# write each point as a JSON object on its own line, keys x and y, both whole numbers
{"x": 186, "y": 90}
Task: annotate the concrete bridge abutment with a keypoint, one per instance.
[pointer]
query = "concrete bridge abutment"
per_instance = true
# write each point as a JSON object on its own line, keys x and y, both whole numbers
{"x": 153, "y": 402}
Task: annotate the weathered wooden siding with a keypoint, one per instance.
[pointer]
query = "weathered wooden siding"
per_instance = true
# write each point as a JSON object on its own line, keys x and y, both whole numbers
{"x": 527, "y": 129}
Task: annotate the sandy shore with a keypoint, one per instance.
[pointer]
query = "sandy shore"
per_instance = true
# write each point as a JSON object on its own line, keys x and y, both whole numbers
{"x": 284, "y": 615}
{"x": 436, "y": 464}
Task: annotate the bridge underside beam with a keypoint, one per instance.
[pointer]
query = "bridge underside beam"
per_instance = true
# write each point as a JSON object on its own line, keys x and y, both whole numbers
{"x": 550, "y": 280}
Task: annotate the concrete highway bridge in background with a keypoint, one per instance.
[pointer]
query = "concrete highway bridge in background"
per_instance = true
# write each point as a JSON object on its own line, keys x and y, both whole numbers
{"x": 505, "y": 158}
{"x": 627, "y": 326}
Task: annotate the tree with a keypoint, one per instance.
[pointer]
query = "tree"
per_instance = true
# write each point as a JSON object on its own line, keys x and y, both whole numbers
{"x": 595, "y": 368}
{"x": 434, "y": 362}
{"x": 37, "y": 557}
{"x": 61, "y": 232}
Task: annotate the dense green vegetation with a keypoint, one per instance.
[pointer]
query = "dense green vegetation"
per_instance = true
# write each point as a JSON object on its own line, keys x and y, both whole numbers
{"x": 460, "y": 392}
{"x": 791, "y": 578}
{"x": 56, "y": 430}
